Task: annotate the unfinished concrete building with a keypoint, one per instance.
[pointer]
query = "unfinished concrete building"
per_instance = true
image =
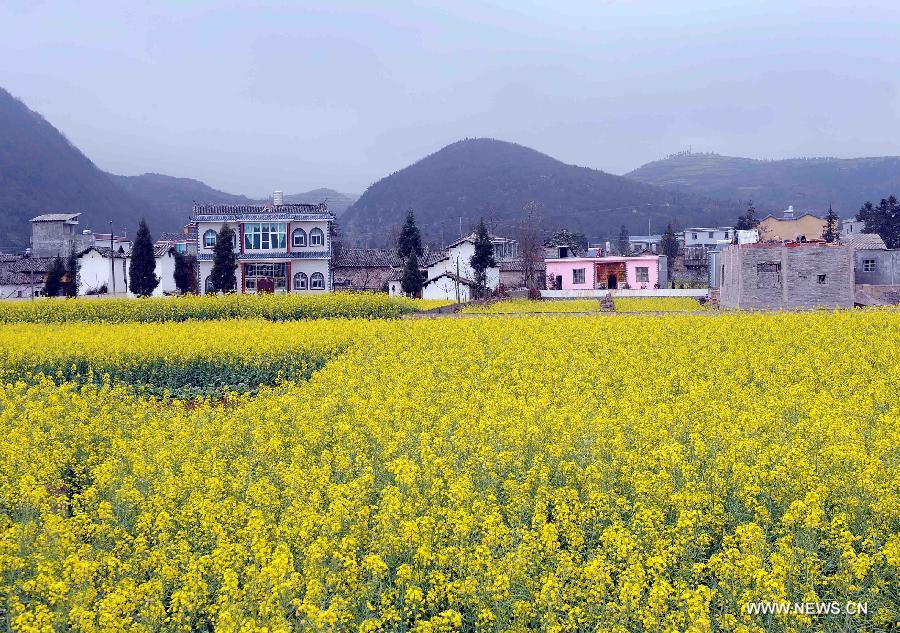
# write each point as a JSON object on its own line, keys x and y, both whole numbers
{"x": 786, "y": 276}
{"x": 55, "y": 234}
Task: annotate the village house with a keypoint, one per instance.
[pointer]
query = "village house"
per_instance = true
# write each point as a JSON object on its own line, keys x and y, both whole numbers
{"x": 279, "y": 247}
{"x": 791, "y": 227}
{"x": 450, "y": 274}
{"x": 371, "y": 268}
{"x": 55, "y": 234}
{"x": 784, "y": 276}
{"x": 102, "y": 270}
{"x": 606, "y": 272}
{"x": 22, "y": 277}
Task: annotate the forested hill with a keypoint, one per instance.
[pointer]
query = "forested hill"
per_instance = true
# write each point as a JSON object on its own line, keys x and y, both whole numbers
{"x": 809, "y": 184}
{"x": 494, "y": 179}
{"x": 41, "y": 171}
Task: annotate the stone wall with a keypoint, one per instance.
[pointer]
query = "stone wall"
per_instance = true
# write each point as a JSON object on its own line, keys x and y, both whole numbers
{"x": 49, "y": 239}
{"x": 781, "y": 277}
{"x": 887, "y": 267}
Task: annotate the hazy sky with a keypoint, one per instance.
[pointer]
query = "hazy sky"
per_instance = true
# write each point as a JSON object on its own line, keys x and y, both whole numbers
{"x": 251, "y": 97}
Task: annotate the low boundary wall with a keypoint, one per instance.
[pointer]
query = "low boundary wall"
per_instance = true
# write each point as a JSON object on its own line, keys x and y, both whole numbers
{"x": 662, "y": 292}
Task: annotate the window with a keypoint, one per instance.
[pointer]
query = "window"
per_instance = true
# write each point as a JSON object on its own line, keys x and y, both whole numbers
{"x": 208, "y": 285}
{"x": 820, "y": 279}
{"x": 693, "y": 236}
{"x": 316, "y": 238}
{"x": 316, "y": 280}
{"x": 265, "y": 236}
{"x": 712, "y": 234}
{"x": 300, "y": 281}
{"x": 298, "y": 238}
{"x": 181, "y": 247}
{"x": 868, "y": 265}
{"x": 643, "y": 274}
{"x": 726, "y": 235}
{"x": 578, "y": 276}
{"x": 266, "y": 270}
{"x": 768, "y": 275}
{"x": 209, "y": 239}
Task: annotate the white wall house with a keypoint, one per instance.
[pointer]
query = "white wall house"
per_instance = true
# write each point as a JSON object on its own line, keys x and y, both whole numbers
{"x": 96, "y": 273}
{"x": 708, "y": 236}
{"x": 282, "y": 247}
{"x": 454, "y": 271}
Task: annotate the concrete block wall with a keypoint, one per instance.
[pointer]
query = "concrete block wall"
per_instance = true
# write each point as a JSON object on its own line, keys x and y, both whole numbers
{"x": 887, "y": 267}
{"x": 791, "y": 278}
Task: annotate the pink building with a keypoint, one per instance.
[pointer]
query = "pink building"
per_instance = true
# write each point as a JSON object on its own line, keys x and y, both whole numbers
{"x": 591, "y": 273}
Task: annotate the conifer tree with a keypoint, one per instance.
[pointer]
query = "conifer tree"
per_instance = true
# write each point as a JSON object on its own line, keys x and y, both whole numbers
{"x": 668, "y": 246}
{"x": 70, "y": 285}
{"x": 142, "y": 277}
{"x": 224, "y": 262}
{"x": 830, "y": 234}
{"x": 410, "y": 241}
{"x": 747, "y": 221}
{"x": 482, "y": 259}
{"x": 624, "y": 243}
{"x": 411, "y": 281}
{"x": 55, "y": 272}
{"x": 185, "y": 272}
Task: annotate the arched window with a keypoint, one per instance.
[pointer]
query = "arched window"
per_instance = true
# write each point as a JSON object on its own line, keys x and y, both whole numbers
{"x": 208, "y": 285}
{"x": 298, "y": 238}
{"x": 317, "y": 280}
{"x": 300, "y": 281}
{"x": 209, "y": 239}
{"x": 316, "y": 237}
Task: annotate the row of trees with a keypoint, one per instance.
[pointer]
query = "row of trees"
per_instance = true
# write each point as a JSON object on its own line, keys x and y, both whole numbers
{"x": 63, "y": 276}
{"x": 409, "y": 248}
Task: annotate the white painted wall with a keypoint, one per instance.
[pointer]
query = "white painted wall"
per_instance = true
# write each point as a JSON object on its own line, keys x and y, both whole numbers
{"x": 462, "y": 253}
{"x": 94, "y": 272}
{"x": 662, "y": 292}
{"x": 445, "y": 288}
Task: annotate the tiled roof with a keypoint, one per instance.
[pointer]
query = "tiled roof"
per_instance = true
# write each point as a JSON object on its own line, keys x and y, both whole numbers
{"x": 864, "y": 241}
{"x": 28, "y": 264}
{"x": 19, "y": 279}
{"x": 199, "y": 208}
{"x": 161, "y": 249}
{"x": 375, "y": 258}
{"x": 516, "y": 265}
{"x": 56, "y": 217}
{"x": 454, "y": 277}
{"x": 170, "y": 236}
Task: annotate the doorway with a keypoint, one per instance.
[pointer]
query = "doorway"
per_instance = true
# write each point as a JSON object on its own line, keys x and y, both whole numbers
{"x": 612, "y": 282}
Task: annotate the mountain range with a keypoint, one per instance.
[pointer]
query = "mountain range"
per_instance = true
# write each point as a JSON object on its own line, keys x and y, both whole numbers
{"x": 449, "y": 190}
{"x": 42, "y": 172}
{"x": 809, "y": 184}
{"x": 474, "y": 178}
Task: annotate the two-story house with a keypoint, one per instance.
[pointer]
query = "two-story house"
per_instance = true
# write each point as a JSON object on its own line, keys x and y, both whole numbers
{"x": 279, "y": 247}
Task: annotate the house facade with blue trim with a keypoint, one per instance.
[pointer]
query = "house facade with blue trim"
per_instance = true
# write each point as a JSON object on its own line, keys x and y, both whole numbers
{"x": 279, "y": 247}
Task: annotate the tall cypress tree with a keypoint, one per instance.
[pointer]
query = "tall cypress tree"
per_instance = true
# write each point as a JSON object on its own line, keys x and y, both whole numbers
{"x": 141, "y": 273}
{"x": 55, "y": 272}
{"x": 482, "y": 259}
{"x": 185, "y": 272}
{"x": 70, "y": 286}
{"x": 624, "y": 243}
{"x": 410, "y": 241}
{"x": 411, "y": 281}
{"x": 830, "y": 234}
{"x": 747, "y": 221}
{"x": 224, "y": 262}
{"x": 668, "y": 246}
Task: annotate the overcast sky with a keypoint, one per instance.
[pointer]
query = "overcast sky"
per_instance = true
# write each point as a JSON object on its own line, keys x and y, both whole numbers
{"x": 251, "y": 97}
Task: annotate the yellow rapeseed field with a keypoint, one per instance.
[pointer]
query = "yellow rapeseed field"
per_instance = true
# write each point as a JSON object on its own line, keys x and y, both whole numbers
{"x": 274, "y": 307}
{"x": 622, "y": 304}
{"x": 549, "y": 473}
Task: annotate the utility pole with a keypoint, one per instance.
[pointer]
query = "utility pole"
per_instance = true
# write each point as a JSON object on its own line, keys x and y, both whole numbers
{"x": 112, "y": 259}
{"x": 457, "y": 279}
